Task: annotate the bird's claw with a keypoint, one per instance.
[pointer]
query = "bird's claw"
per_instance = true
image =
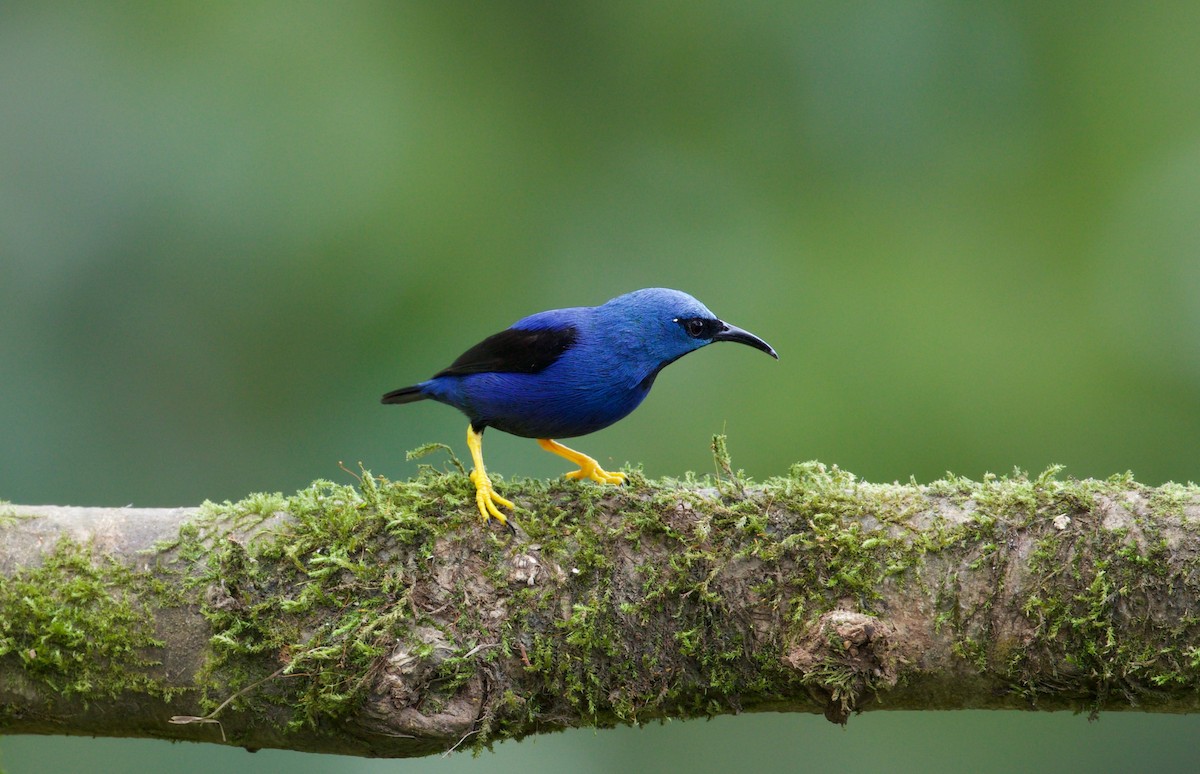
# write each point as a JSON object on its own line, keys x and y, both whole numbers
{"x": 597, "y": 474}
{"x": 588, "y": 467}
{"x": 487, "y": 499}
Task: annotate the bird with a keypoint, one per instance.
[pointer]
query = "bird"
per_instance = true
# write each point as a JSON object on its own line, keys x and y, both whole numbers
{"x": 568, "y": 372}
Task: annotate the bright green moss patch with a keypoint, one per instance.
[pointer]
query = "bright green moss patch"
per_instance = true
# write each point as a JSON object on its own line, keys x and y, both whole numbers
{"x": 314, "y": 600}
{"x": 305, "y": 594}
{"x": 81, "y": 624}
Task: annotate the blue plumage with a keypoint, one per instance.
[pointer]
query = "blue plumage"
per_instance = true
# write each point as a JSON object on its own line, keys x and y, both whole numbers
{"x": 569, "y": 372}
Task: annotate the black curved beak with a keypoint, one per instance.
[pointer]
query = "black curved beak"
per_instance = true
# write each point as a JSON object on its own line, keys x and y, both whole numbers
{"x": 733, "y": 333}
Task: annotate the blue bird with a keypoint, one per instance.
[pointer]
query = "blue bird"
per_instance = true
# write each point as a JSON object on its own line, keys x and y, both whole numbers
{"x": 569, "y": 372}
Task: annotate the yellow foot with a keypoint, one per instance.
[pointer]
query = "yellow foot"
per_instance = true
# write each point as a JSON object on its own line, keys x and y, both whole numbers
{"x": 588, "y": 467}
{"x": 487, "y": 499}
{"x": 485, "y": 494}
{"x": 597, "y": 474}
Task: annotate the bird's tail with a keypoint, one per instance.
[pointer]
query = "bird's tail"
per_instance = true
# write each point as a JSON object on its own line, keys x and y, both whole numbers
{"x": 405, "y": 395}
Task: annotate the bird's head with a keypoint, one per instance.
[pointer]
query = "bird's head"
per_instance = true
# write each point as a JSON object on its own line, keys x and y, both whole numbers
{"x": 667, "y": 324}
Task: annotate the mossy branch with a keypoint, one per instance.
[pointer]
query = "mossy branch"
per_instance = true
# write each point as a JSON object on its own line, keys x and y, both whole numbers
{"x": 382, "y": 619}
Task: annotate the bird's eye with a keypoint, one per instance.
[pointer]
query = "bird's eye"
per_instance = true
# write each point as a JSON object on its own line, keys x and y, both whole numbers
{"x": 699, "y": 327}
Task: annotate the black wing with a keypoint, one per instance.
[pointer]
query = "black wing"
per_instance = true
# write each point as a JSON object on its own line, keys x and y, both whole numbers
{"x": 513, "y": 351}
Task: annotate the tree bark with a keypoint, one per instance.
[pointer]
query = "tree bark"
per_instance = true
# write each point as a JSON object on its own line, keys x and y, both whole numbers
{"x": 385, "y": 620}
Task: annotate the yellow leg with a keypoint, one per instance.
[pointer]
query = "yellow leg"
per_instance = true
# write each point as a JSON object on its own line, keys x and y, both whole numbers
{"x": 485, "y": 496}
{"x": 588, "y": 467}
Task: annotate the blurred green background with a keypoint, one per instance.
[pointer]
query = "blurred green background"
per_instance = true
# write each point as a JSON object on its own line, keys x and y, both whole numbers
{"x": 972, "y": 232}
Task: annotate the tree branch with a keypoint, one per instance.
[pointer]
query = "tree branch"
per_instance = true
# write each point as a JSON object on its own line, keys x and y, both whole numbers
{"x": 383, "y": 620}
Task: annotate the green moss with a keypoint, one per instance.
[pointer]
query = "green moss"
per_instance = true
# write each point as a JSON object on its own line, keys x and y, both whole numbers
{"x": 605, "y": 654}
{"x": 1079, "y": 631}
{"x": 1080, "y": 643}
{"x": 631, "y": 618}
{"x": 847, "y": 542}
{"x": 302, "y": 609}
{"x": 8, "y": 516}
{"x": 829, "y": 553}
{"x": 82, "y": 624}
{"x": 268, "y": 593}
{"x": 1170, "y": 498}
